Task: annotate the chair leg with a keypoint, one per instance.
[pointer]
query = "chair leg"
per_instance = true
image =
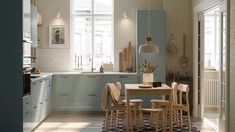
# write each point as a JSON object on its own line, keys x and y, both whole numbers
{"x": 189, "y": 121}
{"x": 157, "y": 118}
{"x": 106, "y": 121}
{"x": 181, "y": 117}
{"x": 163, "y": 121}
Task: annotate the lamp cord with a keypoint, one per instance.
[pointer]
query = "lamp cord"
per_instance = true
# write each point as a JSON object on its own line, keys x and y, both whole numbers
{"x": 148, "y": 20}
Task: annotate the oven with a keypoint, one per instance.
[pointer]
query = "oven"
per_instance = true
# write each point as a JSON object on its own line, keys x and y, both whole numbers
{"x": 26, "y": 50}
{"x": 26, "y": 84}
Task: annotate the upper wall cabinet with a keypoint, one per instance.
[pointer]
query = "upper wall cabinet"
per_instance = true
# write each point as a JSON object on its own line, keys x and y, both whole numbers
{"x": 34, "y": 25}
{"x": 26, "y": 16}
{"x": 154, "y": 22}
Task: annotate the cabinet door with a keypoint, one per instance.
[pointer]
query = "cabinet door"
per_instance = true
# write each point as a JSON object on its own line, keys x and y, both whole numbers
{"x": 158, "y": 33}
{"x": 37, "y": 92}
{"x": 33, "y": 26}
{"x": 26, "y": 16}
{"x": 26, "y": 114}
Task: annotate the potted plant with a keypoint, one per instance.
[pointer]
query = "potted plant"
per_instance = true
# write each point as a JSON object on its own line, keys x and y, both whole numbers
{"x": 147, "y": 69}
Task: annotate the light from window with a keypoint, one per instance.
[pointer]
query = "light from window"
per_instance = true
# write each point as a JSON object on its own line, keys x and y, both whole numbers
{"x": 91, "y": 33}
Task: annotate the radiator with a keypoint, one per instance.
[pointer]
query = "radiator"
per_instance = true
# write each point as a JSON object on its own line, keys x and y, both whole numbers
{"x": 211, "y": 96}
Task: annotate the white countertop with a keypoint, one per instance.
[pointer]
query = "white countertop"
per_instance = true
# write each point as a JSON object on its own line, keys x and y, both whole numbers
{"x": 93, "y": 73}
{"x": 47, "y": 74}
{"x": 40, "y": 76}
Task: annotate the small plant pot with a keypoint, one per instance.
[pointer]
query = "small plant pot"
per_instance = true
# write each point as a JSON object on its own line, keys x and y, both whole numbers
{"x": 148, "y": 78}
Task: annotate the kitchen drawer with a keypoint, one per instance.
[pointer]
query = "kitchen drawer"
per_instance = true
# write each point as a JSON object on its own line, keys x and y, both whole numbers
{"x": 78, "y": 102}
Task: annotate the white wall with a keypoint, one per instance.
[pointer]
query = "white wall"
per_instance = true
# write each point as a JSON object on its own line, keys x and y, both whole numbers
{"x": 178, "y": 22}
{"x": 53, "y": 59}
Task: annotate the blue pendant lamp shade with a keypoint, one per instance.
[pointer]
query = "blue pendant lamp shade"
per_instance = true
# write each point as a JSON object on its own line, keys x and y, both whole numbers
{"x": 148, "y": 47}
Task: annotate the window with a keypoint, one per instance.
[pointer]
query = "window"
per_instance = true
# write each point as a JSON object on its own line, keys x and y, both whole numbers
{"x": 212, "y": 41}
{"x": 91, "y": 33}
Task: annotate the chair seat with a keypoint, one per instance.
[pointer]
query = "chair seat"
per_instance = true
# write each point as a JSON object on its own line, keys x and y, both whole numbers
{"x": 151, "y": 110}
{"x": 134, "y": 101}
{"x": 159, "y": 101}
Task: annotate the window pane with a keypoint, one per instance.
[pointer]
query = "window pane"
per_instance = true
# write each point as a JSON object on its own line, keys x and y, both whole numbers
{"x": 83, "y": 41}
{"x": 103, "y": 47}
{"x": 103, "y": 6}
{"x": 82, "y": 6}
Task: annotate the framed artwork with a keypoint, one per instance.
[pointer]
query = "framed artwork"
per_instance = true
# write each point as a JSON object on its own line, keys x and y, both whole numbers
{"x": 57, "y": 36}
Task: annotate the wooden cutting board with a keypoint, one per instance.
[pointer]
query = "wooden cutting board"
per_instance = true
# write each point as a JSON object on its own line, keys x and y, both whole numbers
{"x": 127, "y": 59}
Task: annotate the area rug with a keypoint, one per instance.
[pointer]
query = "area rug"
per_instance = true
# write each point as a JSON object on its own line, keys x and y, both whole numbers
{"x": 146, "y": 128}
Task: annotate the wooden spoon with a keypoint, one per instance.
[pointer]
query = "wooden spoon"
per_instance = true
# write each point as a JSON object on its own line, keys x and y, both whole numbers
{"x": 184, "y": 60}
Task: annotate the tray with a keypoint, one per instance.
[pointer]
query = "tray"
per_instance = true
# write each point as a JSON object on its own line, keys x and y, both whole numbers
{"x": 145, "y": 86}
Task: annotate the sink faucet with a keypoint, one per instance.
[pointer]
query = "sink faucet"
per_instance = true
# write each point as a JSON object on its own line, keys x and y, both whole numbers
{"x": 92, "y": 68}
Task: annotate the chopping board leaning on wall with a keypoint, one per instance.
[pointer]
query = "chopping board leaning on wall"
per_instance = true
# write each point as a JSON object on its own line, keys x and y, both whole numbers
{"x": 127, "y": 59}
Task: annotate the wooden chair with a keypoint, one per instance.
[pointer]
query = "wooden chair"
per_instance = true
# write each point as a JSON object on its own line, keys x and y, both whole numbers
{"x": 111, "y": 102}
{"x": 136, "y": 106}
{"x": 164, "y": 104}
{"x": 155, "y": 115}
{"x": 183, "y": 89}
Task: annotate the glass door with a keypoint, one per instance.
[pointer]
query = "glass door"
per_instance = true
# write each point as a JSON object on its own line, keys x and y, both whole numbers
{"x": 223, "y": 67}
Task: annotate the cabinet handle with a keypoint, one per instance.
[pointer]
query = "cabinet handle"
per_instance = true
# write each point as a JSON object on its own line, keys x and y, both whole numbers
{"x": 64, "y": 95}
{"x": 35, "y": 107}
{"x": 92, "y": 76}
{"x": 41, "y": 102}
{"x": 123, "y": 76}
{"x": 46, "y": 99}
{"x": 26, "y": 103}
{"x": 40, "y": 81}
{"x": 27, "y": 112}
{"x": 64, "y": 76}
{"x": 91, "y": 94}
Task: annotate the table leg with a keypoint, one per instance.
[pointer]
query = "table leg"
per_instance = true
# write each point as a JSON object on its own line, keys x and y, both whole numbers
{"x": 127, "y": 111}
{"x": 171, "y": 108}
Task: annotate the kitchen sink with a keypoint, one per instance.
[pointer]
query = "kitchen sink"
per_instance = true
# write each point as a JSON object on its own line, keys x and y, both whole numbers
{"x": 87, "y": 72}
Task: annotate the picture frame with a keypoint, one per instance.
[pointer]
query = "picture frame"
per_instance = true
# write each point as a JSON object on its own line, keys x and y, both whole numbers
{"x": 58, "y": 36}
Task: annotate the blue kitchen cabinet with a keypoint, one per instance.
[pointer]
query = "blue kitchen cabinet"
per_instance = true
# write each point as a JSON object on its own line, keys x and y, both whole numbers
{"x": 157, "y": 22}
{"x": 33, "y": 27}
{"x": 26, "y": 16}
{"x": 26, "y": 114}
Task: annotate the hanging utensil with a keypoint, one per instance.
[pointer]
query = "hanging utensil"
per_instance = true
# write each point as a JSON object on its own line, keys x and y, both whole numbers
{"x": 172, "y": 48}
{"x": 184, "y": 61}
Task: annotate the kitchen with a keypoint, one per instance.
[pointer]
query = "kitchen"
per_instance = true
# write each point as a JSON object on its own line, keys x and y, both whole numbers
{"x": 62, "y": 63}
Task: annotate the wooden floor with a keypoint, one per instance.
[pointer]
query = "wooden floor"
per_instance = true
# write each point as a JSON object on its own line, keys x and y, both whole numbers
{"x": 88, "y": 123}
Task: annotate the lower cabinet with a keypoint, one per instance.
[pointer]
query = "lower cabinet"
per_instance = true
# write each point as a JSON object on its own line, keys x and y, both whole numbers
{"x": 40, "y": 100}
{"x": 83, "y": 93}
{"x": 26, "y": 114}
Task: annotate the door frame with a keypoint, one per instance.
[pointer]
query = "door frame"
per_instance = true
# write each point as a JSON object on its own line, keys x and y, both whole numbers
{"x": 197, "y": 10}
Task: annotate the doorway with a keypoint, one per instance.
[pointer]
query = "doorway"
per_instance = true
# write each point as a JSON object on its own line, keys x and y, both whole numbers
{"x": 213, "y": 67}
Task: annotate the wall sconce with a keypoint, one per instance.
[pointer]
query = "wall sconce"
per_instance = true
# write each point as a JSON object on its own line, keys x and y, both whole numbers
{"x": 124, "y": 14}
{"x": 58, "y": 15}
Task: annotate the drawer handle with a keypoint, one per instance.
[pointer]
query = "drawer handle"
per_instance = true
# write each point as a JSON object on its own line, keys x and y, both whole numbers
{"x": 40, "y": 81}
{"x": 27, "y": 112}
{"x": 26, "y": 103}
{"x": 91, "y": 95}
{"x": 123, "y": 76}
{"x": 92, "y": 76}
{"x": 41, "y": 102}
{"x": 46, "y": 99}
{"x": 64, "y": 95}
{"x": 35, "y": 107}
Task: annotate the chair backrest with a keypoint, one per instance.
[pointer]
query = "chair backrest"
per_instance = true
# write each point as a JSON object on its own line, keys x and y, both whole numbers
{"x": 183, "y": 89}
{"x": 175, "y": 97}
{"x": 110, "y": 92}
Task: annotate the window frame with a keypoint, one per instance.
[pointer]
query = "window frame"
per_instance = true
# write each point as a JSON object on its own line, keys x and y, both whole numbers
{"x": 73, "y": 15}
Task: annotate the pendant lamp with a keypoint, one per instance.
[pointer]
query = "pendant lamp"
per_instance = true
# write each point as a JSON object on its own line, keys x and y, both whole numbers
{"x": 148, "y": 46}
